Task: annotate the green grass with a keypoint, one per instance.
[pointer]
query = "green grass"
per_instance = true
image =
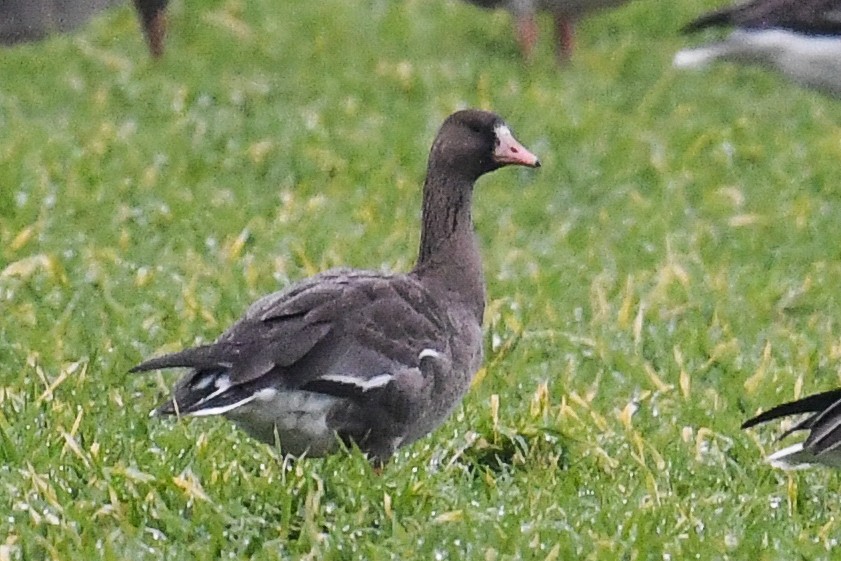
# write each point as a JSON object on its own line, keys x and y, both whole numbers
{"x": 672, "y": 269}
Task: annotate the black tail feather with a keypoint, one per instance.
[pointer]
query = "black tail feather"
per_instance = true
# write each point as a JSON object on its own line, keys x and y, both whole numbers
{"x": 714, "y": 19}
{"x": 811, "y": 404}
{"x": 204, "y": 357}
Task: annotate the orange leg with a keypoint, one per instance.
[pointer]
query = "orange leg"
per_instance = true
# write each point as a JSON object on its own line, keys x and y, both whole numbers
{"x": 527, "y": 35}
{"x": 152, "y": 15}
{"x": 155, "y": 30}
{"x": 565, "y": 36}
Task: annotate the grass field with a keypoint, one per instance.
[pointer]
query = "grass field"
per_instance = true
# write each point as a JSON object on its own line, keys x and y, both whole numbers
{"x": 672, "y": 269}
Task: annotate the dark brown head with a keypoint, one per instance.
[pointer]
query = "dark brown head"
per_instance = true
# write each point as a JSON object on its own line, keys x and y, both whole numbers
{"x": 471, "y": 143}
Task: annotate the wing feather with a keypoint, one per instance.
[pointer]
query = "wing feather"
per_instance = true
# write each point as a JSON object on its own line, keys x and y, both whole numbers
{"x": 817, "y": 17}
{"x": 811, "y": 404}
{"x": 342, "y": 333}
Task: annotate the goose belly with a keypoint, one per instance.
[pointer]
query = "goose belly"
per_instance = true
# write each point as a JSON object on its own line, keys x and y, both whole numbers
{"x": 294, "y": 419}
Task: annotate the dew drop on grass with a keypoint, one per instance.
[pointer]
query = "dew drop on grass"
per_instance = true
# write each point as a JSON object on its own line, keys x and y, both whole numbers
{"x": 50, "y": 517}
{"x": 775, "y": 502}
{"x": 156, "y": 534}
{"x": 496, "y": 341}
{"x": 731, "y": 541}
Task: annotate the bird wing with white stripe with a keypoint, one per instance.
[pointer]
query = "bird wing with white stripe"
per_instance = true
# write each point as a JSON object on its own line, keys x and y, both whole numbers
{"x": 344, "y": 334}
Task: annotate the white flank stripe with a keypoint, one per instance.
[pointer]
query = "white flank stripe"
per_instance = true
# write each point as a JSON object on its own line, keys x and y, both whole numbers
{"x": 377, "y": 381}
{"x": 223, "y": 408}
{"x": 204, "y": 382}
{"x": 223, "y": 383}
{"x": 430, "y": 353}
{"x": 791, "y": 457}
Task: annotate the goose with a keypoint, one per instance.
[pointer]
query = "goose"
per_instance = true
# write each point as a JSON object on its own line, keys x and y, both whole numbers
{"x": 367, "y": 359}
{"x": 799, "y": 38}
{"x": 23, "y": 21}
{"x": 564, "y": 12}
{"x": 822, "y": 445}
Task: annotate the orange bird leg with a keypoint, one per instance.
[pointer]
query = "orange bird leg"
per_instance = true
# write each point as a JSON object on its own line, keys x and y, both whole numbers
{"x": 527, "y": 35}
{"x": 153, "y": 19}
{"x": 155, "y": 30}
{"x": 565, "y": 35}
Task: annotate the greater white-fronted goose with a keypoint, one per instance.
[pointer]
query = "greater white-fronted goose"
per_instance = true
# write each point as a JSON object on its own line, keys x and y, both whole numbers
{"x": 799, "y": 38}
{"x": 33, "y": 20}
{"x": 152, "y": 15}
{"x": 564, "y": 12}
{"x": 371, "y": 359}
{"x": 823, "y": 445}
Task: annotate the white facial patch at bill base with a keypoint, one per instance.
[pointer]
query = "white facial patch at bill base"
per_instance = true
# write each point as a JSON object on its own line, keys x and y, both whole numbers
{"x": 509, "y": 151}
{"x": 502, "y": 131}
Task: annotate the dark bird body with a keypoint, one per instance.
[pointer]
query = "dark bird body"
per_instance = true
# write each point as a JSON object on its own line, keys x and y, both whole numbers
{"x": 823, "y": 422}
{"x": 812, "y": 17}
{"x": 799, "y": 38}
{"x": 376, "y": 360}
